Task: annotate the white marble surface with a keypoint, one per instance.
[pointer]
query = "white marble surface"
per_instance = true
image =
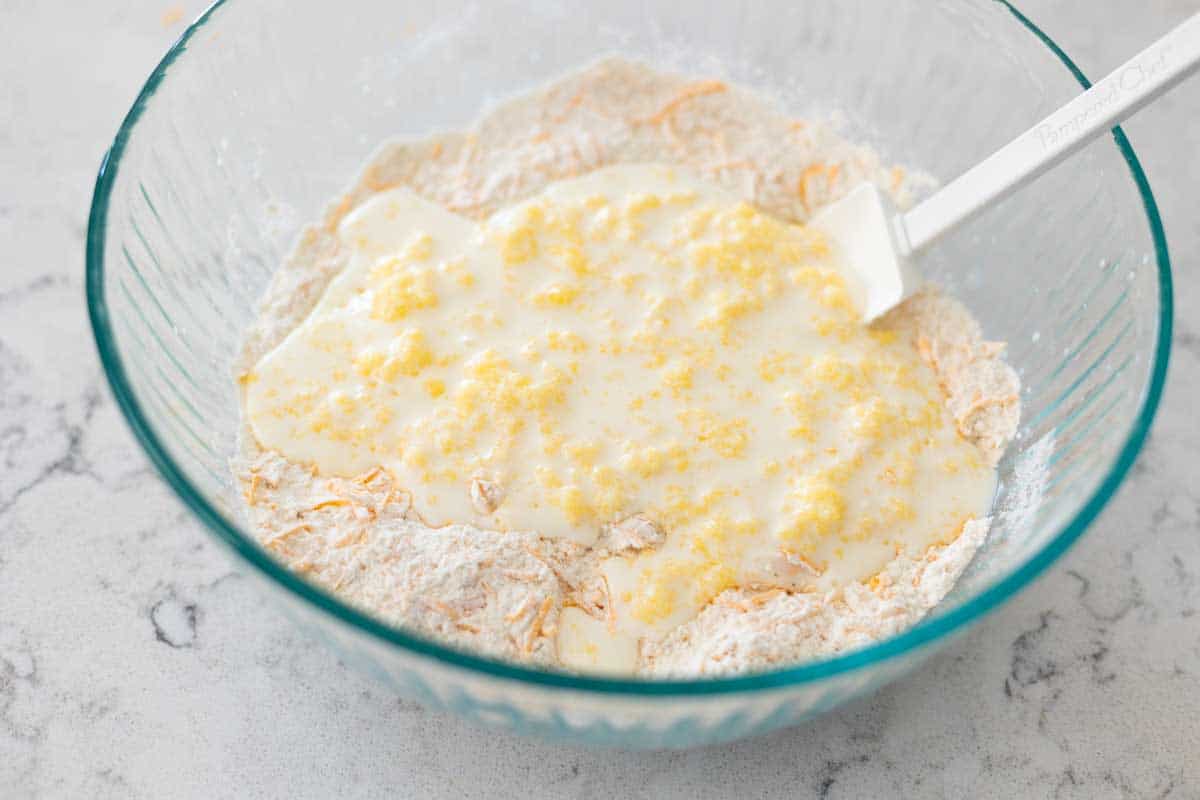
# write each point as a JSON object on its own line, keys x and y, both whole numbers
{"x": 135, "y": 662}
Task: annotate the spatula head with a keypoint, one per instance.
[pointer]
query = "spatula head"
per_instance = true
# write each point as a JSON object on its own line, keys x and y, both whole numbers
{"x": 863, "y": 233}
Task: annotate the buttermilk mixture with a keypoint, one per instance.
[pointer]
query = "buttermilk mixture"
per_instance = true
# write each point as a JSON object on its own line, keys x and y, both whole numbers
{"x": 579, "y": 389}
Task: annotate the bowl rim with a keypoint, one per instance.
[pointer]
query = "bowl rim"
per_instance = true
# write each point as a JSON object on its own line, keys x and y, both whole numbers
{"x": 924, "y": 632}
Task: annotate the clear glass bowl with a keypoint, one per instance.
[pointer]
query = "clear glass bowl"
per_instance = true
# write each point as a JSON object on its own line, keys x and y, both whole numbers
{"x": 263, "y": 111}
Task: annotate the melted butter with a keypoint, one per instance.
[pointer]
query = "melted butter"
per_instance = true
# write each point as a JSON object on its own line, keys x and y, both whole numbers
{"x": 632, "y": 341}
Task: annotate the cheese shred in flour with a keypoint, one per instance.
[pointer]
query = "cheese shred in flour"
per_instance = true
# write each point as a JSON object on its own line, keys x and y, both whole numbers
{"x": 570, "y": 582}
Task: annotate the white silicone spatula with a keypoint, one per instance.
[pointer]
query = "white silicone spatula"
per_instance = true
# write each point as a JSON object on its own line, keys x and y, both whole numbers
{"x": 877, "y": 243}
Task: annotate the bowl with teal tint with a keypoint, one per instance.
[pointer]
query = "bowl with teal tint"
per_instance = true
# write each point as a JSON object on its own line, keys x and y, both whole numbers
{"x": 263, "y": 111}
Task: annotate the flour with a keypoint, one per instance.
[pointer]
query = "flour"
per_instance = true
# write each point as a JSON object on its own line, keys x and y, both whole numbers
{"x": 502, "y": 593}
{"x": 496, "y": 592}
{"x": 744, "y": 629}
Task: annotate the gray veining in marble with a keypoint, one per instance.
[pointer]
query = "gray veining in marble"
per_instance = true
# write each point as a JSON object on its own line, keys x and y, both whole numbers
{"x": 135, "y": 662}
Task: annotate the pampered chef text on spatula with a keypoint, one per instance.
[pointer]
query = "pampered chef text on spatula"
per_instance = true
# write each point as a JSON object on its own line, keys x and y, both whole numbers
{"x": 878, "y": 244}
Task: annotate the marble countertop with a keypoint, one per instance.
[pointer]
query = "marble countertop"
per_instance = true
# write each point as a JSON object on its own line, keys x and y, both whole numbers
{"x": 136, "y": 662}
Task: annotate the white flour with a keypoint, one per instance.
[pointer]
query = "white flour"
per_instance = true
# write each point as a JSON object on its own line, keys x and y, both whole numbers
{"x": 745, "y": 629}
{"x": 501, "y": 593}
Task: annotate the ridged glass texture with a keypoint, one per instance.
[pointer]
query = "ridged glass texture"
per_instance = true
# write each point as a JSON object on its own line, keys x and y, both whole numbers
{"x": 264, "y": 110}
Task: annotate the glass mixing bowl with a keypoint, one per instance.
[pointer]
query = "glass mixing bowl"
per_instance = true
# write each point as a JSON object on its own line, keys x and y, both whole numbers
{"x": 263, "y": 111}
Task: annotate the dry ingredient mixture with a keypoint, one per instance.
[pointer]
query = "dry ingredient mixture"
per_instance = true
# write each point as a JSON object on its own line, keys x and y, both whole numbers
{"x": 573, "y": 389}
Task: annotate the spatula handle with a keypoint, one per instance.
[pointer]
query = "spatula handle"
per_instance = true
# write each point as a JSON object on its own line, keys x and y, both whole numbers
{"x": 1135, "y": 83}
